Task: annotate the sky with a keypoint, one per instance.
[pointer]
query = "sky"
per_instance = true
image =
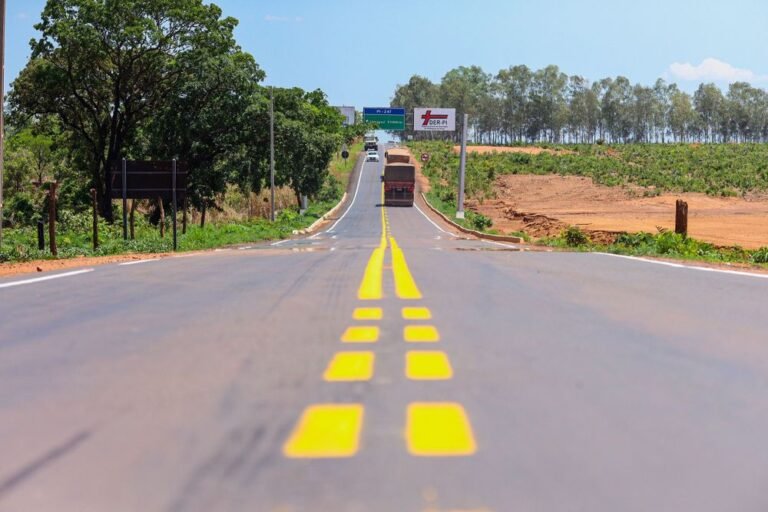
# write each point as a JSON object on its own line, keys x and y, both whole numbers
{"x": 359, "y": 51}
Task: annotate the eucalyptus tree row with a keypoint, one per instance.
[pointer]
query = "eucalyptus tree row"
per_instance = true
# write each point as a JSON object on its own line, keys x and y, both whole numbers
{"x": 546, "y": 105}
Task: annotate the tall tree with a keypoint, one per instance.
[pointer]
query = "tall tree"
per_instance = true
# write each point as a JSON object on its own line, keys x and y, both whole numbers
{"x": 105, "y": 66}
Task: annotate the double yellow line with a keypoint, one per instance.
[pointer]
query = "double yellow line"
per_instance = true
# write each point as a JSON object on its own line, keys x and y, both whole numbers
{"x": 372, "y": 283}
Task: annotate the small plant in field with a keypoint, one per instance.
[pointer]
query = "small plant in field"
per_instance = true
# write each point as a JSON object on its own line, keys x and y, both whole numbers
{"x": 480, "y": 222}
{"x": 760, "y": 255}
{"x": 574, "y": 237}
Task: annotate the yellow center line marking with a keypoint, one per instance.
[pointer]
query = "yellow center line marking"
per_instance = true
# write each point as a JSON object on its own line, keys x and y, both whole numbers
{"x": 370, "y": 286}
{"x": 326, "y": 431}
{"x": 350, "y": 366}
{"x": 367, "y": 314}
{"x": 421, "y": 334}
{"x": 417, "y": 313}
{"x": 405, "y": 286}
{"x": 361, "y": 334}
{"x": 439, "y": 430}
{"x": 427, "y": 365}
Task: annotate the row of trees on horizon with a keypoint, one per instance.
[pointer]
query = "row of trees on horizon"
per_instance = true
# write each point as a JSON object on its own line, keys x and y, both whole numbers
{"x": 521, "y": 105}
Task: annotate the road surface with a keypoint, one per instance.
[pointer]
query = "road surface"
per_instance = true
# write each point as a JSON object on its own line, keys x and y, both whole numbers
{"x": 384, "y": 364}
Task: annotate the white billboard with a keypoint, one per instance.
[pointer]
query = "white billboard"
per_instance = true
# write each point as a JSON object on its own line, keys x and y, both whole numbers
{"x": 434, "y": 119}
{"x": 349, "y": 115}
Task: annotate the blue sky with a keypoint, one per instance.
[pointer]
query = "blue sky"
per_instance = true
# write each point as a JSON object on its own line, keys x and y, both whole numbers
{"x": 357, "y": 51}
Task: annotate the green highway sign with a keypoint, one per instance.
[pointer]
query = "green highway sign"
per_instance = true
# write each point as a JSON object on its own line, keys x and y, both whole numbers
{"x": 387, "y": 122}
{"x": 391, "y": 119}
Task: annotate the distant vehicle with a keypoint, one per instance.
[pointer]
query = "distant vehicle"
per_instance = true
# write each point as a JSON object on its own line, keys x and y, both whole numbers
{"x": 372, "y": 156}
{"x": 371, "y": 142}
{"x": 399, "y": 184}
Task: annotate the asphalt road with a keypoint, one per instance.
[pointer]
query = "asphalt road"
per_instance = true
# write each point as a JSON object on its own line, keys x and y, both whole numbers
{"x": 285, "y": 377}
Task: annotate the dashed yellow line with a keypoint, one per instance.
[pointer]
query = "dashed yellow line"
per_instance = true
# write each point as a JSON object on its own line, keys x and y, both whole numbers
{"x": 368, "y": 314}
{"x": 326, "y": 431}
{"x": 416, "y": 313}
{"x": 439, "y": 430}
{"x": 427, "y": 365}
{"x": 421, "y": 334}
{"x": 405, "y": 286}
{"x": 350, "y": 366}
{"x": 361, "y": 334}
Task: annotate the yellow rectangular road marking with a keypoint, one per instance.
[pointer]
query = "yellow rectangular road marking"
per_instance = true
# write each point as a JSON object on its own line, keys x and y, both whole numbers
{"x": 350, "y": 366}
{"x": 405, "y": 286}
{"x": 367, "y": 314}
{"x": 427, "y": 365}
{"x": 439, "y": 430}
{"x": 361, "y": 334}
{"x": 326, "y": 431}
{"x": 421, "y": 334}
{"x": 417, "y": 313}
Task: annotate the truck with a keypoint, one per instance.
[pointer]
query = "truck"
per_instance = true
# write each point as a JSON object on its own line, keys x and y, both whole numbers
{"x": 399, "y": 183}
{"x": 371, "y": 142}
{"x": 398, "y": 155}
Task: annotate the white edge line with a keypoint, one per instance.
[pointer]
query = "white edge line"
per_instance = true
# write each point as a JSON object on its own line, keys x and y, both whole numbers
{"x": 280, "y": 242}
{"x": 431, "y": 221}
{"x": 678, "y": 265}
{"x": 46, "y": 278}
{"x": 137, "y": 262}
{"x": 499, "y": 243}
{"x": 354, "y": 197}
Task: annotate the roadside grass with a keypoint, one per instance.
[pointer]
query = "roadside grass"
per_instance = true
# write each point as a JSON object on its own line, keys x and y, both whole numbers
{"x": 74, "y": 235}
{"x": 340, "y": 168}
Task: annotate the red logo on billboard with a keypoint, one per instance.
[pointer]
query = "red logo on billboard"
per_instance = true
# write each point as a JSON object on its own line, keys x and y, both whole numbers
{"x": 428, "y": 116}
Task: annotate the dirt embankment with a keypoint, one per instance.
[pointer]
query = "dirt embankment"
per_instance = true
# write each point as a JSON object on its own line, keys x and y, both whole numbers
{"x": 545, "y": 205}
{"x": 528, "y": 150}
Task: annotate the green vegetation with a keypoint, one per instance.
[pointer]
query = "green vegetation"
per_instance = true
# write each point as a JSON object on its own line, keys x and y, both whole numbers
{"x": 74, "y": 235}
{"x": 106, "y": 82}
{"x": 714, "y": 169}
{"x": 665, "y": 244}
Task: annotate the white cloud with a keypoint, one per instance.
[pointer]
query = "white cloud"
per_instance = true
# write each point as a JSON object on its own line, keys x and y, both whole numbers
{"x": 283, "y": 19}
{"x": 22, "y": 16}
{"x": 714, "y": 70}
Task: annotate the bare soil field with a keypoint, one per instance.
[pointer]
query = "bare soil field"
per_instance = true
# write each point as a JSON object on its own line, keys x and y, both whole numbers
{"x": 545, "y": 205}
{"x": 529, "y": 150}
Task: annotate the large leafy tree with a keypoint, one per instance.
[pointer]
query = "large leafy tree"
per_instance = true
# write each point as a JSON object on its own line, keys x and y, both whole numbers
{"x": 217, "y": 122}
{"x": 103, "y": 67}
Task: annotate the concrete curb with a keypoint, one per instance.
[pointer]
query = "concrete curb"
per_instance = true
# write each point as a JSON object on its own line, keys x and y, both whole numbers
{"x": 478, "y": 234}
{"x": 333, "y": 211}
{"x": 325, "y": 217}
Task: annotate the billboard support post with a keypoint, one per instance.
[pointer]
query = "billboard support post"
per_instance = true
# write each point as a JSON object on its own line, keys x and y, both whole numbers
{"x": 462, "y": 168}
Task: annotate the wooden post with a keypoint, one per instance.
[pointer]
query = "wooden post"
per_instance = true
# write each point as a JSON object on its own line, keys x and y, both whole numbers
{"x": 184, "y": 218}
{"x": 52, "y": 218}
{"x": 95, "y": 219}
{"x": 40, "y": 236}
{"x": 162, "y": 217}
{"x": 681, "y": 217}
{"x": 132, "y": 218}
{"x": 202, "y": 216}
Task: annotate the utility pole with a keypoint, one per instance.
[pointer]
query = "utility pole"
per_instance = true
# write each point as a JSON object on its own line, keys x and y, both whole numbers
{"x": 272, "y": 153}
{"x": 2, "y": 110}
{"x": 462, "y": 168}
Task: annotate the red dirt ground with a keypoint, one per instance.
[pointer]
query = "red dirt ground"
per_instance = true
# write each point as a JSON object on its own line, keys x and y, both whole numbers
{"x": 545, "y": 205}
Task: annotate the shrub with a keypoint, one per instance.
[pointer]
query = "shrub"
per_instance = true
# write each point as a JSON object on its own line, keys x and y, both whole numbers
{"x": 760, "y": 255}
{"x": 575, "y": 237}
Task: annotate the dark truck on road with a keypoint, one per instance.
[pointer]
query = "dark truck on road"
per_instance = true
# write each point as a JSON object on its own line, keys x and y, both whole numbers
{"x": 399, "y": 178}
{"x": 399, "y": 183}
